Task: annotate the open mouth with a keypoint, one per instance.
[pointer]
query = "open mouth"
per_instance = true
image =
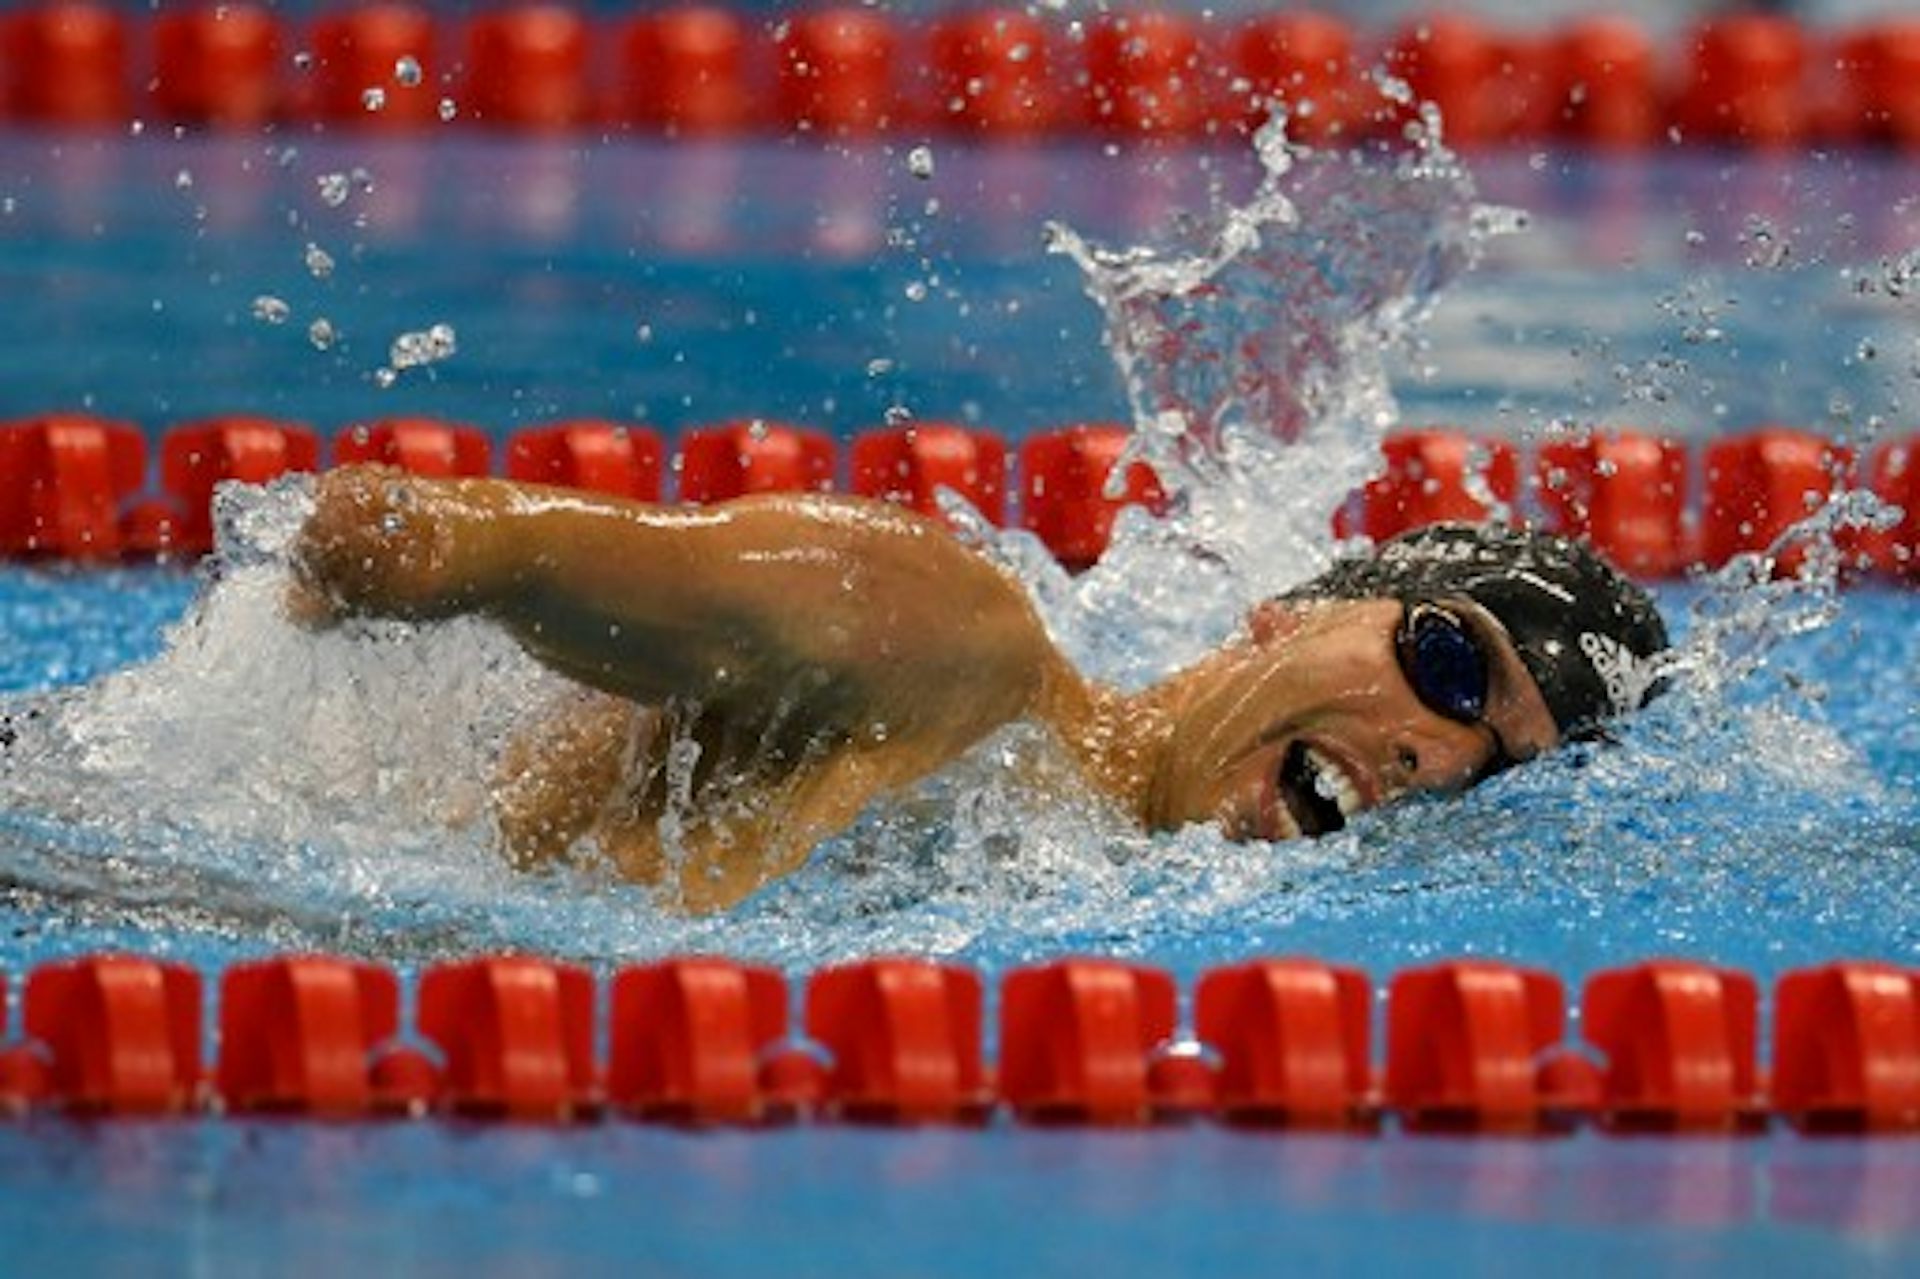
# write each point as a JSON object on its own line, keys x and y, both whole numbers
{"x": 1317, "y": 792}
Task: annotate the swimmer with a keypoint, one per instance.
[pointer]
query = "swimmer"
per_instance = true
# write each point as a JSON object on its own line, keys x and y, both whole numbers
{"x": 755, "y": 673}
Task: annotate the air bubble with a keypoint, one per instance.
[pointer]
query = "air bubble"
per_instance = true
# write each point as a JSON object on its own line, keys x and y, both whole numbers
{"x": 374, "y": 98}
{"x": 334, "y": 189}
{"x": 916, "y": 291}
{"x": 920, "y": 162}
{"x": 271, "y": 310}
{"x": 448, "y": 110}
{"x": 406, "y": 72}
{"x": 319, "y": 262}
{"x": 322, "y": 334}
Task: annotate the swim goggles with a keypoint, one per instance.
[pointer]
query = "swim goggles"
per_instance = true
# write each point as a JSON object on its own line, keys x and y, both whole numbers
{"x": 1446, "y": 664}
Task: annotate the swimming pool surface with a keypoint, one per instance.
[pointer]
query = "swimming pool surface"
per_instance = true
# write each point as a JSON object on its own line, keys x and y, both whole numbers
{"x": 1764, "y": 816}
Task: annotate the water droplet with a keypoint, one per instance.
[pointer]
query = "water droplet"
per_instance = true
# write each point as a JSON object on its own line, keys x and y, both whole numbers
{"x": 373, "y": 98}
{"x": 319, "y": 262}
{"x": 920, "y": 162}
{"x": 406, "y": 71}
{"x": 270, "y": 309}
{"x": 426, "y": 346}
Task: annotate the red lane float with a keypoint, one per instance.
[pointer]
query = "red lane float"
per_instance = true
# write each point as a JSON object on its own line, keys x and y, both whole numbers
{"x": 64, "y": 477}
{"x": 600, "y": 457}
{"x": 1464, "y": 1042}
{"x": 199, "y": 456}
{"x": 738, "y": 458}
{"x": 904, "y": 1038}
{"x": 836, "y": 72}
{"x": 1146, "y": 74}
{"x": 1759, "y": 484}
{"x": 1894, "y": 476}
{"x": 684, "y": 70}
{"x": 1746, "y": 82}
{"x": 1607, "y": 89}
{"x": 992, "y": 73}
{"x": 910, "y": 465}
{"x": 527, "y": 68}
{"x": 1879, "y": 67}
{"x": 375, "y": 67}
{"x": 1305, "y": 60}
{"x": 1846, "y": 1048}
{"x": 121, "y": 1034}
{"x": 517, "y": 1034}
{"x": 421, "y": 446}
{"x": 1473, "y": 1046}
{"x": 297, "y": 1034}
{"x": 1679, "y": 1042}
{"x": 1432, "y": 476}
{"x": 218, "y": 66}
{"x": 688, "y": 1038}
{"x": 67, "y": 64}
{"x": 1293, "y": 1039}
{"x": 1064, "y": 496}
{"x": 1625, "y": 492}
{"x": 1076, "y": 1038}
{"x": 1448, "y": 59}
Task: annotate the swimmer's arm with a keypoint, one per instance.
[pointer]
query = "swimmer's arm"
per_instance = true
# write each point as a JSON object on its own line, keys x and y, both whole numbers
{"x": 868, "y": 618}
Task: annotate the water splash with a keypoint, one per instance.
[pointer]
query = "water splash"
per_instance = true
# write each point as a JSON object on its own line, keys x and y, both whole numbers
{"x": 1255, "y": 347}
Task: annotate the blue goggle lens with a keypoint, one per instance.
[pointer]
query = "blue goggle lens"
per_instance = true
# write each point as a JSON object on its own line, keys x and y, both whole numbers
{"x": 1444, "y": 663}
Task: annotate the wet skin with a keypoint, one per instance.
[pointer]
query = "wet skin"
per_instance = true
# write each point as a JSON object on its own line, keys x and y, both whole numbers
{"x": 820, "y": 651}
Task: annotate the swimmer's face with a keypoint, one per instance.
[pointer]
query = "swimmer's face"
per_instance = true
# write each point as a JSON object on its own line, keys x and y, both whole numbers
{"x": 1314, "y": 715}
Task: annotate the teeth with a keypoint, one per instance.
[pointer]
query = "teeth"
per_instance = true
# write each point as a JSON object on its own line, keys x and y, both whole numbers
{"x": 1330, "y": 781}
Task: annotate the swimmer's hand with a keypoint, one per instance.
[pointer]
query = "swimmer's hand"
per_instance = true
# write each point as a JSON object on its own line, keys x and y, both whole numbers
{"x": 383, "y": 543}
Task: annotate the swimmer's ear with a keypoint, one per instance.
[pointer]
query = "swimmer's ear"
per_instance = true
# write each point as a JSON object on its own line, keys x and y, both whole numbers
{"x": 1276, "y": 619}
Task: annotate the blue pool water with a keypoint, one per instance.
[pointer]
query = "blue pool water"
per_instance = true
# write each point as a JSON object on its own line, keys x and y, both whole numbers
{"x": 234, "y": 787}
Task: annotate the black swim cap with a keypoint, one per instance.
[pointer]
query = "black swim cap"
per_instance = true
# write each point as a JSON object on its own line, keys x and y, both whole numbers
{"x": 1583, "y": 631}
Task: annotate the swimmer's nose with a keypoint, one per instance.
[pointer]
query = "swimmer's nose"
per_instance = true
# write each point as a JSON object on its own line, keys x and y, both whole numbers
{"x": 1442, "y": 756}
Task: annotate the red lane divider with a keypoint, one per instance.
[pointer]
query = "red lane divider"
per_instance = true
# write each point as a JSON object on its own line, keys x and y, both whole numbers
{"x": 836, "y": 72}
{"x": 72, "y": 483}
{"x": 1747, "y": 82}
{"x": 1433, "y": 476}
{"x": 601, "y": 457}
{"x": 689, "y": 1039}
{"x": 1739, "y": 79}
{"x": 1626, "y": 493}
{"x": 423, "y": 446}
{"x": 1679, "y": 1040}
{"x": 1846, "y": 1048}
{"x": 904, "y": 1039}
{"x": 121, "y": 1033}
{"x": 297, "y": 1034}
{"x": 374, "y": 67}
{"x": 1293, "y": 1038}
{"x": 721, "y": 462}
{"x": 64, "y": 477}
{"x": 1464, "y": 1041}
{"x": 1064, "y": 490}
{"x": 517, "y": 1034}
{"x": 1473, "y": 1046}
{"x": 219, "y": 67}
{"x": 684, "y": 70}
{"x": 911, "y": 464}
{"x": 527, "y": 68}
{"x": 1076, "y": 1039}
